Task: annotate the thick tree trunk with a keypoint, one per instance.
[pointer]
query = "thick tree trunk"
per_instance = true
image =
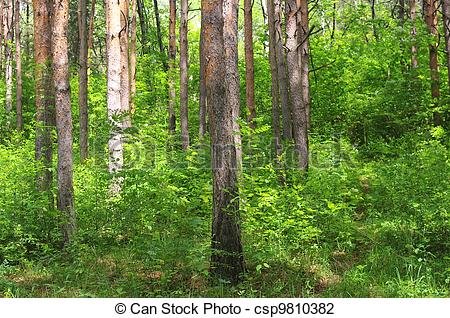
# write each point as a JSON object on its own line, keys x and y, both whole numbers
{"x": 63, "y": 116}
{"x": 115, "y": 145}
{"x": 44, "y": 93}
{"x": 299, "y": 115}
{"x": 9, "y": 32}
{"x": 18, "y": 67}
{"x": 202, "y": 87}
{"x": 133, "y": 56}
{"x": 232, "y": 82}
{"x": 412, "y": 13}
{"x": 275, "y": 89}
{"x": 159, "y": 34}
{"x": 227, "y": 254}
{"x": 282, "y": 73}
{"x": 304, "y": 60}
{"x": 124, "y": 63}
{"x": 431, "y": 10}
{"x": 184, "y": 80}
{"x": 249, "y": 62}
{"x": 83, "y": 79}
{"x": 446, "y": 21}
{"x": 172, "y": 57}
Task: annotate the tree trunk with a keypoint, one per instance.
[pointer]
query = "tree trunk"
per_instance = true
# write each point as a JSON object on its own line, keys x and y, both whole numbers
{"x": 184, "y": 80}
{"x": 374, "y": 16}
{"x": 63, "y": 116}
{"x": 249, "y": 62}
{"x": 83, "y": 79}
{"x": 412, "y": 12}
{"x": 124, "y": 63}
{"x": 9, "y": 31}
{"x": 401, "y": 10}
{"x": 2, "y": 3}
{"x": 227, "y": 255}
{"x": 232, "y": 82}
{"x": 274, "y": 72}
{"x": 159, "y": 34}
{"x": 91, "y": 27}
{"x": 115, "y": 145}
{"x": 446, "y": 21}
{"x": 304, "y": 52}
{"x": 299, "y": 116}
{"x": 172, "y": 57}
{"x": 133, "y": 55}
{"x": 282, "y": 74}
{"x": 431, "y": 20}
{"x": 143, "y": 24}
{"x": 44, "y": 94}
{"x": 18, "y": 67}
{"x": 202, "y": 88}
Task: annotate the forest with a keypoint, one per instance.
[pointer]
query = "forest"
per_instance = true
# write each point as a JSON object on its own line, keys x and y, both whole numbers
{"x": 225, "y": 148}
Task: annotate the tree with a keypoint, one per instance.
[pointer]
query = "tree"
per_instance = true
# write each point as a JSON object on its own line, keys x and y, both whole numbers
{"x": 124, "y": 63}
{"x": 143, "y": 24}
{"x": 230, "y": 38}
{"x": 63, "y": 116}
{"x": 249, "y": 62}
{"x": 304, "y": 56}
{"x": 133, "y": 54}
{"x": 446, "y": 22}
{"x": 18, "y": 66}
{"x": 227, "y": 255}
{"x": 299, "y": 115}
{"x": 45, "y": 112}
{"x": 159, "y": 34}
{"x": 412, "y": 13}
{"x": 83, "y": 79}
{"x": 9, "y": 32}
{"x": 172, "y": 57}
{"x": 202, "y": 85}
{"x": 184, "y": 80}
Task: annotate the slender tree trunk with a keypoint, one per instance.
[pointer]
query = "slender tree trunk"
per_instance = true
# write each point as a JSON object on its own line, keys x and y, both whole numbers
{"x": 63, "y": 116}
{"x": 202, "y": 88}
{"x": 374, "y": 16}
{"x": 431, "y": 20}
{"x": 446, "y": 21}
{"x": 124, "y": 62}
{"x": 232, "y": 82}
{"x": 274, "y": 72}
{"x": 115, "y": 145}
{"x": 159, "y": 34}
{"x": 304, "y": 52}
{"x": 249, "y": 62}
{"x": 44, "y": 94}
{"x": 83, "y": 79}
{"x": 299, "y": 115}
{"x": 184, "y": 80}
{"x": 143, "y": 24}
{"x": 2, "y": 7}
{"x": 91, "y": 27}
{"x": 172, "y": 57}
{"x": 282, "y": 73}
{"x": 9, "y": 31}
{"x": 133, "y": 55}
{"x": 227, "y": 253}
{"x": 412, "y": 12}
{"x": 18, "y": 67}
{"x": 401, "y": 10}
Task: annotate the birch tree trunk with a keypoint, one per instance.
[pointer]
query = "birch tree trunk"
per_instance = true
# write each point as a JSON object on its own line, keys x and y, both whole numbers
{"x": 124, "y": 63}
{"x": 133, "y": 55}
{"x": 171, "y": 73}
{"x": 227, "y": 255}
{"x": 9, "y": 31}
{"x": 83, "y": 79}
{"x": 184, "y": 58}
{"x": 18, "y": 66}
{"x": 63, "y": 116}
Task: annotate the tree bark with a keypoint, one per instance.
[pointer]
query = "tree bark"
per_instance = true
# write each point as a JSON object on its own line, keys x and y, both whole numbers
{"x": 299, "y": 116}
{"x": 124, "y": 63}
{"x": 63, "y": 116}
{"x": 282, "y": 73}
{"x": 2, "y": 3}
{"x": 202, "y": 89}
{"x": 9, "y": 31}
{"x": 401, "y": 10}
{"x": 227, "y": 254}
{"x": 143, "y": 24}
{"x": 412, "y": 12}
{"x": 184, "y": 80}
{"x": 83, "y": 79}
{"x": 133, "y": 55}
{"x": 18, "y": 67}
{"x": 304, "y": 60}
{"x": 159, "y": 34}
{"x": 446, "y": 21}
{"x": 249, "y": 62}
{"x": 172, "y": 57}
{"x": 44, "y": 94}
{"x": 232, "y": 82}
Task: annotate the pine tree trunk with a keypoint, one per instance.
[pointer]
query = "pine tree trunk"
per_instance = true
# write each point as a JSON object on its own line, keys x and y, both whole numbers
{"x": 124, "y": 63}
{"x": 299, "y": 116}
{"x": 63, "y": 116}
{"x": 202, "y": 86}
{"x": 133, "y": 54}
{"x": 184, "y": 57}
{"x": 304, "y": 51}
{"x": 83, "y": 79}
{"x": 18, "y": 67}
{"x": 91, "y": 28}
{"x": 446, "y": 22}
{"x": 45, "y": 109}
{"x": 227, "y": 254}
{"x": 230, "y": 35}
{"x": 249, "y": 62}
{"x": 172, "y": 57}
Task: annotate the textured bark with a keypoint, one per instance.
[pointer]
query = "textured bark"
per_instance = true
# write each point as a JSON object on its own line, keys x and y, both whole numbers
{"x": 83, "y": 79}
{"x": 274, "y": 72}
{"x": 202, "y": 89}
{"x": 91, "y": 27}
{"x": 249, "y": 62}
{"x": 304, "y": 60}
{"x": 115, "y": 145}
{"x": 412, "y": 13}
{"x": 374, "y": 16}
{"x": 2, "y": 3}
{"x": 133, "y": 55}
{"x": 172, "y": 57}
{"x": 232, "y": 82}
{"x": 431, "y": 20}
{"x": 184, "y": 57}
{"x": 446, "y": 21}
{"x": 18, "y": 66}
{"x": 227, "y": 254}
{"x": 63, "y": 116}
{"x": 299, "y": 116}
{"x": 9, "y": 35}
{"x": 282, "y": 74}
{"x": 159, "y": 34}
{"x": 143, "y": 24}
{"x": 124, "y": 63}
{"x": 44, "y": 93}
